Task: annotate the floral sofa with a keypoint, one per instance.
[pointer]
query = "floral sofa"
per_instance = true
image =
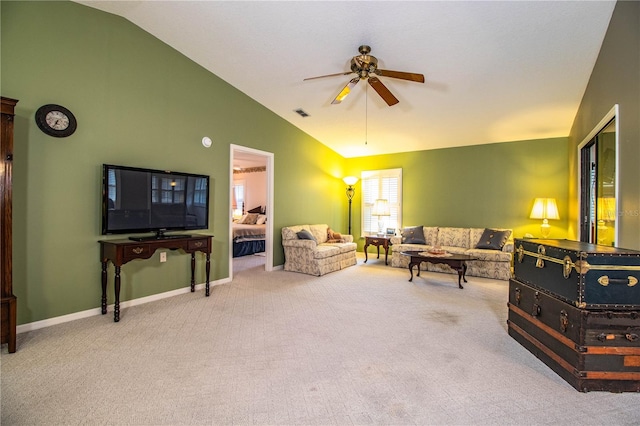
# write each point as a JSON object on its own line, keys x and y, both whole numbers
{"x": 494, "y": 261}
{"x": 317, "y": 255}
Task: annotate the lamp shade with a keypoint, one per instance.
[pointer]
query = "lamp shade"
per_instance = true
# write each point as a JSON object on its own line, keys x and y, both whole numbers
{"x": 545, "y": 208}
{"x": 381, "y": 208}
{"x": 350, "y": 180}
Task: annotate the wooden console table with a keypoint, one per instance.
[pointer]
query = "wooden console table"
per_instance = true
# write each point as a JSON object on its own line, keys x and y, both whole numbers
{"x": 120, "y": 252}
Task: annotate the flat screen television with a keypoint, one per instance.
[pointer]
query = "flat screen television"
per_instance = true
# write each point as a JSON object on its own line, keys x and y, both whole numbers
{"x": 146, "y": 200}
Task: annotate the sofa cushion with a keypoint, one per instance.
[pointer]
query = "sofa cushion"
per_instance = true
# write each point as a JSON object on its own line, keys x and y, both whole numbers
{"x": 305, "y": 235}
{"x": 454, "y": 249}
{"x": 289, "y": 232}
{"x": 493, "y": 239}
{"x": 319, "y": 232}
{"x": 474, "y": 236}
{"x": 430, "y": 235}
{"x": 453, "y": 237}
{"x": 414, "y": 235}
{"x": 323, "y": 251}
{"x": 400, "y": 247}
{"x": 489, "y": 255}
{"x": 343, "y": 247}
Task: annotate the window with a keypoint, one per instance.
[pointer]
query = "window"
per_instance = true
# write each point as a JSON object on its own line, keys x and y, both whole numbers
{"x": 237, "y": 198}
{"x": 200, "y": 193}
{"x": 111, "y": 184}
{"x": 167, "y": 190}
{"x": 381, "y": 184}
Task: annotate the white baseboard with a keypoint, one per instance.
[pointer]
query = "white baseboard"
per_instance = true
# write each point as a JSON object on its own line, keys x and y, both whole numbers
{"x": 98, "y": 311}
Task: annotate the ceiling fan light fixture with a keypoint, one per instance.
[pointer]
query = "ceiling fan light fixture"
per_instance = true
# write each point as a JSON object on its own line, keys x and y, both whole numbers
{"x": 347, "y": 89}
{"x": 343, "y": 94}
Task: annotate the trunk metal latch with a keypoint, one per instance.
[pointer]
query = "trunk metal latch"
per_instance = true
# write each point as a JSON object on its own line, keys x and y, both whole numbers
{"x": 564, "y": 321}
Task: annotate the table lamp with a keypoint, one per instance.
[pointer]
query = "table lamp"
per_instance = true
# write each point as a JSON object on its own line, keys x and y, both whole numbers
{"x": 381, "y": 209}
{"x": 545, "y": 209}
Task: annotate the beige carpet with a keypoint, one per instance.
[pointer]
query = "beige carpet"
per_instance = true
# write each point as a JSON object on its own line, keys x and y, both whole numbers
{"x": 359, "y": 346}
{"x": 247, "y": 262}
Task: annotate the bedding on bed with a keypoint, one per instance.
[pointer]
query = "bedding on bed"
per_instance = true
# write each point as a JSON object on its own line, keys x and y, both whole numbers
{"x": 242, "y": 232}
{"x": 248, "y": 239}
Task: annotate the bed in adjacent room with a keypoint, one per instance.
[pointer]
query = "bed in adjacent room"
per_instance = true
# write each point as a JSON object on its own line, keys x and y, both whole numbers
{"x": 249, "y": 235}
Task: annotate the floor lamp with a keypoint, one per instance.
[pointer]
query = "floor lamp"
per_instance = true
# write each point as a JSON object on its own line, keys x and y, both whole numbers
{"x": 350, "y": 181}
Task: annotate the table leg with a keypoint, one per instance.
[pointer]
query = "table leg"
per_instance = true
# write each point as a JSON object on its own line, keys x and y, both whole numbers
{"x": 116, "y": 306}
{"x": 413, "y": 263}
{"x": 208, "y": 271}
{"x": 378, "y": 247}
{"x": 386, "y": 254}
{"x": 462, "y": 270}
{"x": 104, "y": 288}
{"x": 193, "y": 269}
{"x": 366, "y": 257}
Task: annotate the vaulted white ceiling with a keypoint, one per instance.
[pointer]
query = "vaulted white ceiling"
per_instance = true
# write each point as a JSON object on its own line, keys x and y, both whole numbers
{"x": 495, "y": 71}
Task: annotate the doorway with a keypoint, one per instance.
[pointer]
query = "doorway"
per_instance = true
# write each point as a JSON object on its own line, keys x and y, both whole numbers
{"x": 251, "y": 188}
{"x": 598, "y": 155}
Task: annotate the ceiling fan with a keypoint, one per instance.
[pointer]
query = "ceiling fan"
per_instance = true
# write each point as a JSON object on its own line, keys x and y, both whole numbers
{"x": 366, "y": 67}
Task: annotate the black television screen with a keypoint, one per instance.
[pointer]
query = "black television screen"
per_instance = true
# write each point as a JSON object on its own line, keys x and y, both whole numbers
{"x": 145, "y": 200}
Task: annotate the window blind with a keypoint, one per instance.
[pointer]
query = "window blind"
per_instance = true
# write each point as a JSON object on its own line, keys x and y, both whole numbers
{"x": 385, "y": 184}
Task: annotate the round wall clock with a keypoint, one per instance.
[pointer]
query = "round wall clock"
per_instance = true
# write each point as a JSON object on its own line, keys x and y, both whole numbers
{"x": 56, "y": 120}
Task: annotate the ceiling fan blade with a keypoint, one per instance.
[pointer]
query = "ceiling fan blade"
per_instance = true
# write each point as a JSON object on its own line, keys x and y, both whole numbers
{"x": 347, "y": 89}
{"x": 418, "y": 78}
{"x": 329, "y": 75}
{"x": 383, "y": 91}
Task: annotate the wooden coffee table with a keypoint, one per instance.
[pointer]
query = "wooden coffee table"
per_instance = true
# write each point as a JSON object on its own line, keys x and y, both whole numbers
{"x": 457, "y": 262}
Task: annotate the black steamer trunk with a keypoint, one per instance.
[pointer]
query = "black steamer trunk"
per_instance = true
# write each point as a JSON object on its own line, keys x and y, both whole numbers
{"x": 576, "y": 306}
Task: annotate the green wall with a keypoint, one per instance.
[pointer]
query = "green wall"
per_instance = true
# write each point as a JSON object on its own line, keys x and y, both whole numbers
{"x": 615, "y": 80}
{"x": 138, "y": 102}
{"x": 479, "y": 186}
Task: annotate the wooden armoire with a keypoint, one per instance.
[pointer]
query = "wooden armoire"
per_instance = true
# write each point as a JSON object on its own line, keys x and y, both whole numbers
{"x": 8, "y": 307}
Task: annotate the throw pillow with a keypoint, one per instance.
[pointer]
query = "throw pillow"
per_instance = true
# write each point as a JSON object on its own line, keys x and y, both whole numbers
{"x": 334, "y": 237}
{"x": 305, "y": 235}
{"x": 262, "y": 219}
{"x": 250, "y": 219}
{"x": 493, "y": 239}
{"x": 414, "y": 235}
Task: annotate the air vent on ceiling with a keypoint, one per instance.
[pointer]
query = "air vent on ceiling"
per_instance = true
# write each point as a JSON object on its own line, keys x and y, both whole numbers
{"x": 301, "y": 112}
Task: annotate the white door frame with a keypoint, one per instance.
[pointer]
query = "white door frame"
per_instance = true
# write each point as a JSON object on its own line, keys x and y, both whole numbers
{"x": 268, "y": 265}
